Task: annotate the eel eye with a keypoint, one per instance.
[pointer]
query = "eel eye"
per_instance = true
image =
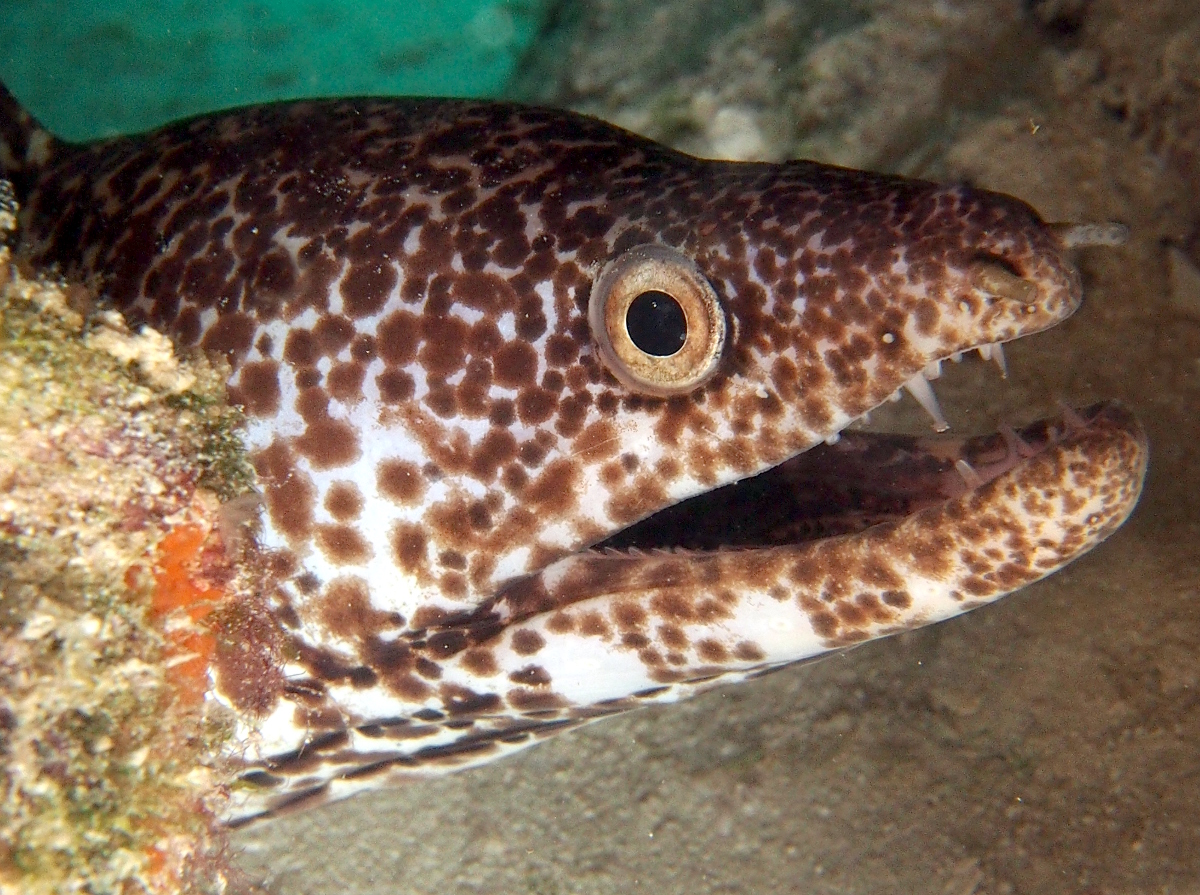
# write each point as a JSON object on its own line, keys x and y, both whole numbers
{"x": 656, "y": 320}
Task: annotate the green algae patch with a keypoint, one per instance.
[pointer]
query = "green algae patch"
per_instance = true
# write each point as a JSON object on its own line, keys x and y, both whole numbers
{"x": 108, "y": 442}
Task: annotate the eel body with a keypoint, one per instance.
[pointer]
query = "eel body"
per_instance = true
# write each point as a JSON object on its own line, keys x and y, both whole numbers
{"x": 484, "y": 349}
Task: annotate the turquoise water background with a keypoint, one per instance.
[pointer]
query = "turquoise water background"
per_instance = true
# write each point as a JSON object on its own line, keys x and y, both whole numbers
{"x": 88, "y": 69}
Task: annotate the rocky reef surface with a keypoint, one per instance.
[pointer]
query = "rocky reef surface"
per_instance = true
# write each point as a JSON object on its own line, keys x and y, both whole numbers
{"x": 119, "y": 465}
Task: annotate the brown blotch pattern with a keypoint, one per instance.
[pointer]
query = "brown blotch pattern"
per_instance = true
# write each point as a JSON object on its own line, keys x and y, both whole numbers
{"x": 400, "y": 480}
{"x": 344, "y": 501}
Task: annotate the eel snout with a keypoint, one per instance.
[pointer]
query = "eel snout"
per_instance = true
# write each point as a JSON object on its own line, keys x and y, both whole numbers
{"x": 1034, "y": 272}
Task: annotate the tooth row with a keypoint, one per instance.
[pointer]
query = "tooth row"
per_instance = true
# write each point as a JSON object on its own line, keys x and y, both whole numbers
{"x": 995, "y": 353}
{"x": 920, "y": 389}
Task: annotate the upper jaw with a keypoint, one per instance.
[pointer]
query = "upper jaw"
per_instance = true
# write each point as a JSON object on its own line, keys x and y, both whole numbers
{"x": 993, "y": 301}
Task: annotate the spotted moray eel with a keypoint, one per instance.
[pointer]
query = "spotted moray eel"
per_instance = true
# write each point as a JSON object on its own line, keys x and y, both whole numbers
{"x": 537, "y": 409}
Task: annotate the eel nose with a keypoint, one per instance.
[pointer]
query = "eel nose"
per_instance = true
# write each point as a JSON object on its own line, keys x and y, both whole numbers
{"x": 1074, "y": 236}
{"x": 998, "y": 278}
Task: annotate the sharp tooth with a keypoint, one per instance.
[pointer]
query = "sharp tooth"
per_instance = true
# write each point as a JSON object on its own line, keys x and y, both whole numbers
{"x": 919, "y": 388}
{"x": 834, "y": 438}
{"x": 998, "y": 359}
{"x": 956, "y": 357}
{"x": 985, "y": 351}
{"x": 895, "y": 396}
{"x": 969, "y": 475}
{"x": 933, "y": 369}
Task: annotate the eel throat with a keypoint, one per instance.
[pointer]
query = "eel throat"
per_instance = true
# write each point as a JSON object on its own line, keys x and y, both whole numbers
{"x": 549, "y": 420}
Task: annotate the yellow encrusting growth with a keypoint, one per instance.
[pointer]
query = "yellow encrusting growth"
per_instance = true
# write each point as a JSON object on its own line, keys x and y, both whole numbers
{"x": 114, "y": 455}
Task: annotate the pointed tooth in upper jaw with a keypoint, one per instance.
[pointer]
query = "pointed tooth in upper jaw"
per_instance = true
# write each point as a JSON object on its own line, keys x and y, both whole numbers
{"x": 895, "y": 396}
{"x": 999, "y": 360}
{"x": 994, "y": 353}
{"x": 933, "y": 369}
{"x": 919, "y": 388}
{"x": 956, "y": 357}
{"x": 833, "y": 439}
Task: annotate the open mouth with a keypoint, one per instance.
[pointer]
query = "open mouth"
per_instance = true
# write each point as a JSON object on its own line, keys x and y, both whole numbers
{"x": 860, "y": 480}
{"x": 866, "y": 537}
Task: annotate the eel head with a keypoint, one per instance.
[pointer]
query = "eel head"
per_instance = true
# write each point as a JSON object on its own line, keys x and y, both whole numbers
{"x": 671, "y": 507}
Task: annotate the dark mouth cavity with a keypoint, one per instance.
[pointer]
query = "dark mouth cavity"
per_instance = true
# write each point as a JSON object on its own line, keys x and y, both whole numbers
{"x": 864, "y": 479}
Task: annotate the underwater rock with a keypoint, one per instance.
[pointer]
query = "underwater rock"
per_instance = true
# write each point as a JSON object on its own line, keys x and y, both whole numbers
{"x": 114, "y": 456}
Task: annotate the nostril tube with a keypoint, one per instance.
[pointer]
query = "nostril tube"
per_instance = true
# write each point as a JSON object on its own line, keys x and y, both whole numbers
{"x": 998, "y": 280}
{"x": 1074, "y": 236}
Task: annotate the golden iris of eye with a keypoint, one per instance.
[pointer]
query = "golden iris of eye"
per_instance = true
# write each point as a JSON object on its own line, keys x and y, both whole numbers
{"x": 657, "y": 322}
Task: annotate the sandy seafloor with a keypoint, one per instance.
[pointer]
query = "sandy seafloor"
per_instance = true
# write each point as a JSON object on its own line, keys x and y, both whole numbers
{"x": 1047, "y": 744}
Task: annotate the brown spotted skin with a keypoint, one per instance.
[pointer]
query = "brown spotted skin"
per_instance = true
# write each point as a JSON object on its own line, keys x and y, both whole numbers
{"x": 401, "y": 287}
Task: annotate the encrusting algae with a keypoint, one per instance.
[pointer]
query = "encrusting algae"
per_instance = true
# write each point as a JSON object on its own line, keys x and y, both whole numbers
{"x": 117, "y": 460}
